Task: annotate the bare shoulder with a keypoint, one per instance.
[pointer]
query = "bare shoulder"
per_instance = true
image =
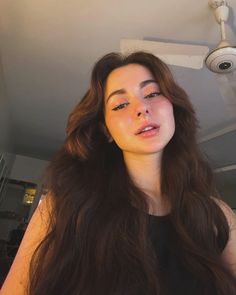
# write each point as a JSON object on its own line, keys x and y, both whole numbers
{"x": 229, "y": 213}
{"x": 17, "y": 279}
{"x": 229, "y": 252}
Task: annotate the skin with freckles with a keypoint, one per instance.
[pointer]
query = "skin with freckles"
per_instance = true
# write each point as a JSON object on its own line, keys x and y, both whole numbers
{"x": 135, "y": 105}
{"x": 133, "y": 100}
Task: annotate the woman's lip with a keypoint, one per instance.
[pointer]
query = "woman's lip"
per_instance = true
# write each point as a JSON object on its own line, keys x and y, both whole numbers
{"x": 140, "y": 130}
{"x": 149, "y": 133}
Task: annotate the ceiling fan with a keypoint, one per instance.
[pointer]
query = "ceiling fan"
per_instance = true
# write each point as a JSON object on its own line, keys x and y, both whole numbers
{"x": 221, "y": 60}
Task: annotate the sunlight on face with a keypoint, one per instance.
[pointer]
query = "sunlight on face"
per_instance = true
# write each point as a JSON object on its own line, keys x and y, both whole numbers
{"x": 134, "y": 101}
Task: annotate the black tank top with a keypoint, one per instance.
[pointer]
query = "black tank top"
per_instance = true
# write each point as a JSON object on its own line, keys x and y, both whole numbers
{"x": 176, "y": 279}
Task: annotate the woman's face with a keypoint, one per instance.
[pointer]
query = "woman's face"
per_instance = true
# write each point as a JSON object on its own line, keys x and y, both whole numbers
{"x": 138, "y": 117}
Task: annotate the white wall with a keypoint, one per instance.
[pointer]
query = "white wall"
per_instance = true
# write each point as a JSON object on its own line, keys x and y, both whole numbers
{"x": 28, "y": 169}
{"x": 19, "y": 167}
{"x": 6, "y": 144}
{"x": 5, "y": 125}
{"x": 6, "y": 148}
{"x": 24, "y": 169}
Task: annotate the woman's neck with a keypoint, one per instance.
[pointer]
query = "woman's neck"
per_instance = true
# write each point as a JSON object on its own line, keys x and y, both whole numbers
{"x": 145, "y": 172}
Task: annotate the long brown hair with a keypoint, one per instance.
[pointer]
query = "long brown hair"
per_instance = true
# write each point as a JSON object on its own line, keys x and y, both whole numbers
{"x": 97, "y": 241}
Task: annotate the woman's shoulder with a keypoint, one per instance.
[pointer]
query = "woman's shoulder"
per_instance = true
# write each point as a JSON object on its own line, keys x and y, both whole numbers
{"x": 229, "y": 252}
{"x": 228, "y": 212}
{"x": 17, "y": 279}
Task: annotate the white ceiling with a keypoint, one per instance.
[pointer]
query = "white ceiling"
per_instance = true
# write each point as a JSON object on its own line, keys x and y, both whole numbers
{"x": 48, "y": 48}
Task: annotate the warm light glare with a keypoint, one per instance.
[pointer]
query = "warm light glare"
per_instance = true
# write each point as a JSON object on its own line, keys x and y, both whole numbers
{"x": 29, "y": 196}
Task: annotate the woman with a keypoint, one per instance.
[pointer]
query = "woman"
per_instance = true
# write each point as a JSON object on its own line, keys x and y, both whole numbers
{"x": 132, "y": 207}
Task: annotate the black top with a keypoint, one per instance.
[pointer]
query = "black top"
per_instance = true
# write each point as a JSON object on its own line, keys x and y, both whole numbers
{"x": 176, "y": 278}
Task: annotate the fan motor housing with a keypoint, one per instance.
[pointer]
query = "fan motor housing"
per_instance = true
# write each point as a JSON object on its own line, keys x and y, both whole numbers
{"x": 222, "y": 60}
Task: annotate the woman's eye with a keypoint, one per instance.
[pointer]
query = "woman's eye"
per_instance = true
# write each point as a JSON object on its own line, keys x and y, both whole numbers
{"x": 120, "y": 106}
{"x": 153, "y": 94}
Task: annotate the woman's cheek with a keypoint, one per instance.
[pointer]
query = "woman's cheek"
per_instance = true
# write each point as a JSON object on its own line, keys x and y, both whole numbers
{"x": 165, "y": 106}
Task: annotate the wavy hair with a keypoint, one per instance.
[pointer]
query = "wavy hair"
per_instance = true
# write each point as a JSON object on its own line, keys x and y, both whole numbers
{"x": 98, "y": 240}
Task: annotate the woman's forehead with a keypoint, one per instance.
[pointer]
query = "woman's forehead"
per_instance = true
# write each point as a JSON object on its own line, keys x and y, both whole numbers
{"x": 126, "y": 76}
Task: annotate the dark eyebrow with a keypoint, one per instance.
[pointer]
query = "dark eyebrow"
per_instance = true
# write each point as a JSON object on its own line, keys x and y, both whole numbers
{"x": 119, "y": 91}
{"x": 122, "y": 91}
{"x": 146, "y": 82}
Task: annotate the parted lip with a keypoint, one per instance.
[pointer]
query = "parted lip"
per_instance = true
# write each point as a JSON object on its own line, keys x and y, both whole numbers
{"x": 145, "y": 126}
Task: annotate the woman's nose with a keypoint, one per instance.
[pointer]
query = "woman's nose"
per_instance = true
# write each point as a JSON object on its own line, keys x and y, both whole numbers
{"x": 142, "y": 109}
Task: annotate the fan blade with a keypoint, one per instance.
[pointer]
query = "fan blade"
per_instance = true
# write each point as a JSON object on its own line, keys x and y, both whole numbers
{"x": 227, "y": 86}
{"x": 183, "y": 55}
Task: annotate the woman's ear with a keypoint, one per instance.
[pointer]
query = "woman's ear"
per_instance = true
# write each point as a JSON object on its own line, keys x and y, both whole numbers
{"x": 106, "y": 132}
